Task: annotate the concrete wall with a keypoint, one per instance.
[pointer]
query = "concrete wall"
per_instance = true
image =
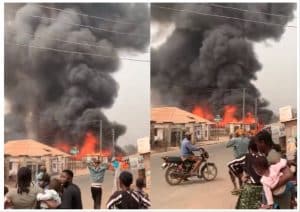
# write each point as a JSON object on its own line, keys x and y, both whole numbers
{"x": 290, "y": 128}
{"x": 164, "y": 132}
{"x": 53, "y": 165}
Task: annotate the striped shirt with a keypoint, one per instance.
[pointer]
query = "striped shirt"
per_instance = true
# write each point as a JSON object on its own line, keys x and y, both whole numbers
{"x": 128, "y": 200}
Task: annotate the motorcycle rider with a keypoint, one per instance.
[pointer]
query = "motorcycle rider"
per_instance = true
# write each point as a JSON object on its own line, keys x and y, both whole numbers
{"x": 186, "y": 152}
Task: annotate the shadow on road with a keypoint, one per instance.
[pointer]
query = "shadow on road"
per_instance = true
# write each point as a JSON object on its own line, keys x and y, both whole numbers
{"x": 196, "y": 180}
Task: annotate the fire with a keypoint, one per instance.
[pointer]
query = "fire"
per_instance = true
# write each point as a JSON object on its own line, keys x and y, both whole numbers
{"x": 88, "y": 148}
{"x": 62, "y": 146}
{"x": 203, "y": 113}
{"x": 89, "y": 145}
{"x": 249, "y": 119}
{"x": 229, "y": 116}
{"x": 229, "y": 113}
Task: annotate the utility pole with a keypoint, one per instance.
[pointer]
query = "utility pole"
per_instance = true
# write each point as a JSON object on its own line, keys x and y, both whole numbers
{"x": 255, "y": 113}
{"x": 244, "y": 101}
{"x": 113, "y": 141}
{"x": 100, "y": 137}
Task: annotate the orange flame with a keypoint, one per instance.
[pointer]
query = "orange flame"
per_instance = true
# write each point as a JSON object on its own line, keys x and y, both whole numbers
{"x": 249, "y": 119}
{"x": 203, "y": 113}
{"x": 62, "y": 146}
{"x": 89, "y": 147}
{"x": 228, "y": 116}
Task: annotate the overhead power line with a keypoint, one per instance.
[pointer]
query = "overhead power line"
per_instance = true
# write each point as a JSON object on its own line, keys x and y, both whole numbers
{"x": 75, "y": 52}
{"x": 249, "y": 11}
{"x": 90, "y": 16}
{"x": 222, "y": 16}
{"x": 90, "y": 27}
{"x": 71, "y": 42}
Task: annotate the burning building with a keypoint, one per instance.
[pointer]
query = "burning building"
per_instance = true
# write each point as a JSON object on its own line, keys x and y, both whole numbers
{"x": 59, "y": 61}
{"x": 229, "y": 122}
{"x": 168, "y": 125}
{"x": 208, "y": 60}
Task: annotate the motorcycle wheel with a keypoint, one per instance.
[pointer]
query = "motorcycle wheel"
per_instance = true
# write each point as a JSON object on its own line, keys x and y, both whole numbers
{"x": 171, "y": 180}
{"x": 209, "y": 171}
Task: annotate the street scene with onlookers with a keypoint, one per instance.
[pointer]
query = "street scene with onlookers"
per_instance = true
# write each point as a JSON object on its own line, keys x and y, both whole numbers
{"x": 150, "y": 106}
{"x": 70, "y": 142}
{"x": 224, "y": 106}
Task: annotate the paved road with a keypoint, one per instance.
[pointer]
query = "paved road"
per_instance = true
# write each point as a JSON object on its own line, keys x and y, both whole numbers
{"x": 84, "y": 183}
{"x": 195, "y": 193}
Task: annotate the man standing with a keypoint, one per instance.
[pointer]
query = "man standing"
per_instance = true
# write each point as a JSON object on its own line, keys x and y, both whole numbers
{"x": 71, "y": 197}
{"x": 97, "y": 172}
{"x": 240, "y": 148}
{"x": 116, "y": 165}
{"x": 187, "y": 152}
{"x": 41, "y": 174}
{"x": 127, "y": 198}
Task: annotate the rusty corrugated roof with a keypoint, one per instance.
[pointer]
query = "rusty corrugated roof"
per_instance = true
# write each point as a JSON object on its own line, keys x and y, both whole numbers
{"x": 31, "y": 148}
{"x": 175, "y": 115}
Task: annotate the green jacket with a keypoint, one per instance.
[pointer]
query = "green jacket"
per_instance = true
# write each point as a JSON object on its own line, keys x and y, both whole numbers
{"x": 97, "y": 173}
{"x": 240, "y": 146}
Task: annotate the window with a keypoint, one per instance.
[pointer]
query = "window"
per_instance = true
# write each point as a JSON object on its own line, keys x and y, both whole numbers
{"x": 155, "y": 131}
{"x": 10, "y": 165}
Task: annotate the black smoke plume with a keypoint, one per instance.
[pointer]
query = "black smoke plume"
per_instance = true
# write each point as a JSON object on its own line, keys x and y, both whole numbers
{"x": 54, "y": 96}
{"x": 208, "y": 60}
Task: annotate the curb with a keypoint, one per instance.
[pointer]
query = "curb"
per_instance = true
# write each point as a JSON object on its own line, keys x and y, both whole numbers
{"x": 207, "y": 144}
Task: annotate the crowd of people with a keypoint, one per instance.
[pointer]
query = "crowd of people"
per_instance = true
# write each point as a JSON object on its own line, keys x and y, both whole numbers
{"x": 262, "y": 171}
{"x": 45, "y": 192}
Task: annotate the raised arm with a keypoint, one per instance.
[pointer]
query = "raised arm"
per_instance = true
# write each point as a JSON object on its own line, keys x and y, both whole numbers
{"x": 230, "y": 143}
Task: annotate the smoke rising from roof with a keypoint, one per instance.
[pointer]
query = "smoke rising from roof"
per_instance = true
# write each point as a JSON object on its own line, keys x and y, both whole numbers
{"x": 208, "y": 60}
{"x": 59, "y": 96}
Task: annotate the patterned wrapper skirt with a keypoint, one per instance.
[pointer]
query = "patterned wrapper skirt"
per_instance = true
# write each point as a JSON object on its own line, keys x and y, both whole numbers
{"x": 250, "y": 197}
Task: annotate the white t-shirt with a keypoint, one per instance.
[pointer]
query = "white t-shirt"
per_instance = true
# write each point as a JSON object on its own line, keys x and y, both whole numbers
{"x": 49, "y": 194}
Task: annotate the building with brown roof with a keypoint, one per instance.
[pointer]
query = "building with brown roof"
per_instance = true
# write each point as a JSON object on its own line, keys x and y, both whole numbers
{"x": 168, "y": 125}
{"x": 34, "y": 154}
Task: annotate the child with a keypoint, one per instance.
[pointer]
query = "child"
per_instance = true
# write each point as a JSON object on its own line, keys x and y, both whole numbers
{"x": 270, "y": 177}
{"x": 140, "y": 185}
{"x": 52, "y": 193}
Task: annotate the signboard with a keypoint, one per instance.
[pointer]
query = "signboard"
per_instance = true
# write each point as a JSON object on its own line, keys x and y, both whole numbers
{"x": 143, "y": 145}
{"x": 285, "y": 113}
{"x": 217, "y": 118}
{"x": 136, "y": 162}
{"x": 74, "y": 151}
{"x": 277, "y": 131}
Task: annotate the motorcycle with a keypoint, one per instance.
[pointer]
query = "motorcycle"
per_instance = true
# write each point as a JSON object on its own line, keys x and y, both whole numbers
{"x": 178, "y": 170}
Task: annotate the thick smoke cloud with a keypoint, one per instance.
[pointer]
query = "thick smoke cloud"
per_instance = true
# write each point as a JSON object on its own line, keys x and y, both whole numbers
{"x": 207, "y": 58}
{"x": 55, "y": 96}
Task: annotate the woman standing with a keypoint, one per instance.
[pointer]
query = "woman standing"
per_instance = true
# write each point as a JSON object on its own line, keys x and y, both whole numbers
{"x": 24, "y": 196}
{"x": 250, "y": 196}
{"x": 271, "y": 151}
